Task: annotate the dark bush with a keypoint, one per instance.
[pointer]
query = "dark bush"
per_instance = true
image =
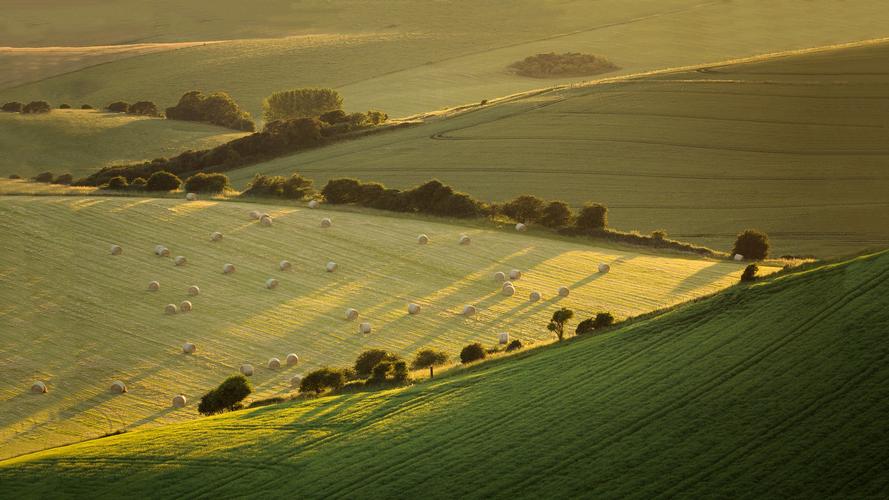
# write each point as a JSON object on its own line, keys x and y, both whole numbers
{"x": 322, "y": 379}
{"x": 207, "y": 183}
{"x": 35, "y": 107}
{"x": 592, "y": 216}
{"x": 585, "y": 326}
{"x": 556, "y": 214}
{"x": 381, "y": 373}
{"x": 339, "y": 191}
{"x": 143, "y": 108}
{"x": 370, "y": 358}
{"x": 12, "y": 107}
{"x": 64, "y": 179}
{"x": 334, "y": 117}
{"x": 752, "y": 244}
{"x": 526, "y": 208}
{"x": 163, "y": 181}
{"x": 118, "y": 107}
{"x": 603, "y": 319}
{"x": 64, "y": 106}
{"x": 15, "y": 176}
{"x": 138, "y": 184}
{"x": 295, "y": 187}
{"x": 750, "y": 273}
{"x": 46, "y": 177}
{"x": 376, "y": 117}
{"x": 227, "y": 396}
{"x": 514, "y": 345}
{"x": 429, "y": 358}
{"x": 118, "y": 183}
{"x": 217, "y": 108}
{"x": 400, "y": 373}
{"x": 86, "y": 106}
{"x": 472, "y": 352}
{"x": 369, "y": 193}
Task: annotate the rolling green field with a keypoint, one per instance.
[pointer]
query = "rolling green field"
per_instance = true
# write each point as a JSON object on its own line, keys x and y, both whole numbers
{"x": 779, "y": 389}
{"x": 82, "y": 141}
{"x": 404, "y": 57}
{"x": 79, "y": 318}
{"x": 795, "y": 146}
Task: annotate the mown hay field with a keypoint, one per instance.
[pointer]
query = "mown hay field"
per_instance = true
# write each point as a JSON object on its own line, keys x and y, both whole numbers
{"x": 79, "y": 318}
{"x": 779, "y": 389}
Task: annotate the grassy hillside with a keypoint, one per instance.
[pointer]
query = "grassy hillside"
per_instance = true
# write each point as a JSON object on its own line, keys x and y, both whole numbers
{"x": 408, "y": 57}
{"x": 79, "y": 318}
{"x": 81, "y": 141}
{"x": 775, "y": 390}
{"x": 793, "y": 145}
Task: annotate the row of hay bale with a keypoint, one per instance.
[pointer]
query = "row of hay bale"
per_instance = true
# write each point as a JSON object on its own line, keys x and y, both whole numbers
{"x": 117, "y": 387}
{"x": 464, "y": 240}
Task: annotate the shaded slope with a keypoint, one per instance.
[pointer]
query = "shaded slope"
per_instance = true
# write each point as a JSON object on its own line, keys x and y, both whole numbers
{"x": 779, "y": 389}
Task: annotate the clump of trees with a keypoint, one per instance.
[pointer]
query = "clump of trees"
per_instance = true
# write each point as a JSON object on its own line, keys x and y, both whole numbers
{"x": 558, "y": 321}
{"x": 373, "y": 367}
{"x": 568, "y": 64}
{"x": 295, "y": 187}
{"x": 226, "y": 397}
{"x": 36, "y": 107}
{"x": 752, "y": 244}
{"x": 300, "y": 103}
{"x": 163, "y": 181}
{"x": 217, "y": 108}
{"x": 429, "y": 358}
{"x": 433, "y": 198}
{"x": 601, "y": 320}
{"x": 207, "y": 183}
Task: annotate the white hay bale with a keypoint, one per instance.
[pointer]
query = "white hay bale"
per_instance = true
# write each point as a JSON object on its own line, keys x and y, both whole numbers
{"x": 364, "y": 327}
{"x": 161, "y": 251}
{"x": 266, "y": 220}
{"x": 153, "y": 286}
{"x": 469, "y": 311}
{"x": 271, "y": 283}
{"x": 515, "y": 274}
{"x": 180, "y": 260}
{"x": 331, "y": 266}
{"x": 255, "y": 215}
{"x": 194, "y": 291}
{"x": 313, "y": 204}
{"x": 534, "y": 297}
{"x": 189, "y": 348}
{"x": 185, "y": 306}
{"x": 326, "y": 222}
{"x": 563, "y": 291}
{"x": 604, "y": 268}
{"x": 503, "y": 338}
{"x": 292, "y": 359}
{"x": 422, "y": 239}
{"x": 507, "y": 284}
{"x": 247, "y": 370}
{"x": 295, "y": 381}
{"x": 738, "y": 257}
{"x": 116, "y": 250}
{"x": 413, "y": 308}
{"x": 215, "y": 236}
{"x": 179, "y": 401}
{"x": 118, "y": 387}
{"x": 465, "y": 240}
{"x": 351, "y": 314}
{"x": 521, "y": 227}
{"x": 191, "y": 196}
{"x": 228, "y": 269}
{"x": 499, "y": 276}
{"x": 39, "y": 387}
{"x": 284, "y": 265}
{"x": 508, "y": 291}
{"x": 171, "y": 309}
{"x": 274, "y": 363}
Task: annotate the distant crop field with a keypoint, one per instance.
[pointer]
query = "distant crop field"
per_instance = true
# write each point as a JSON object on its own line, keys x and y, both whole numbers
{"x": 82, "y": 141}
{"x": 796, "y": 146}
{"x": 77, "y": 317}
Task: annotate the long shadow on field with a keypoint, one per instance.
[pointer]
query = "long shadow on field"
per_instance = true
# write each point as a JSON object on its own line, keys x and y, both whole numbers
{"x": 693, "y": 281}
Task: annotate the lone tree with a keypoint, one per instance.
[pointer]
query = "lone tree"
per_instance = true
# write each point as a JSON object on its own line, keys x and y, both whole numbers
{"x": 226, "y": 397}
{"x": 592, "y": 216}
{"x": 429, "y": 358}
{"x": 752, "y": 244}
{"x": 300, "y": 103}
{"x": 557, "y": 323}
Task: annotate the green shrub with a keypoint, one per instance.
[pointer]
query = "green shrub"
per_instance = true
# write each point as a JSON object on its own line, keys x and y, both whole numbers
{"x": 35, "y": 107}
{"x": 163, "y": 181}
{"x": 525, "y": 208}
{"x": 556, "y": 214}
{"x": 118, "y": 183}
{"x": 118, "y": 107}
{"x": 46, "y": 177}
{"x": 400, "y": 373}
{"x": 558, "y": 321}
{"x": 295, "y": 187}
{"x": 472, "y": 352}
{"x": 322, "y": 379}
{"x": 64, "y": 106}
{"x": 12, "y": 107}
{"x": 370, "y": 358}
{"x": 143, "y": 108}
{"x": 207, "y": 183}
{"x": 64, "y": 179}
{"x": 752, "y": 244}
{"x": 227, "y": 396}
{"x": 340, "y": 191}
{"x": 514, "y": 345}
{"x": 585, "y": 326}
{"x": 217, "y": 108}
{"x": 86, "y": 106}
{"x": 381, "y": 373}
{"x": 750, "y": 273}
{"x": 592, "y": 216}
{"x": 603, "y": 319}
{"x": 300, "y": 103}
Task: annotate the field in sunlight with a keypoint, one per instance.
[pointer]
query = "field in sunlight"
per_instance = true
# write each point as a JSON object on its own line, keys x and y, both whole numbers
{"x": 79, "y": 318}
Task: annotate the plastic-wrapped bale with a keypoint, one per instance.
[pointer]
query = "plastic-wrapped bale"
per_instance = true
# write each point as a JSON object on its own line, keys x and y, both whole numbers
{"x": 534, "y": 297}
{"x": 515, "y": 274}
{"x": 469, "y": 311}
{"x": 189, "y": 348}
{"x": 39, "y": 387}
{"x": 503, "y": 338}
{"x": 521, "y": 227}
{"x": 563, "y": 291}
{"x": 255, "y": 215}
{"x": 274, "y": 363}
{"x": 313, "y": 204}
{"x": 228, "y": 269}
{"x": 284, "y": 265}
{"x": 326, "y": 222}
{"x": 186, "y": 306}
{"x": 161, "y": 251}
{"x": 271, "y": 283}
{"x": 153, "y": 286}
{"x": 738, "y": 257}
{"x": 191, "y": 196}
{"x": 247, "y": 370}
{"x": 465, "y": 240}
{"x": 194, "y": 291}
{"x": 604, "y": 268}
{"x": 351, "y": 314}
{"x": 215, "y": 236}
{"x": 171, "y": 309}
{"x": 180, "y": 260}
{"x": 116, "y": 250}
{"x": 508, "y": 291}
{"x": 295, "y": 381}
{"x": 422, "y": 239}
{"x": 179, "y": 401}
{"x": 364, "y": 327}
{"x": 413, "y": 308}
{"x": 118, "y": 387}
{"x": 292, "y": 359}
{"x": 266, "y": 220}
{"x": 331, "y": 266}
{"x": 499, "y": 276}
